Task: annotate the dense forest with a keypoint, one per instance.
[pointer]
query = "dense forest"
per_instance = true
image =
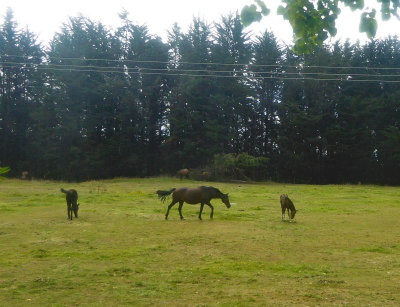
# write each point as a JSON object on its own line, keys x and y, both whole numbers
{"x": 99, "y": 103}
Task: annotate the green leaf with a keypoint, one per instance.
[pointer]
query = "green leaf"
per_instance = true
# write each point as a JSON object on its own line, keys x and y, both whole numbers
{"x": 281, "y": 11}
{"x": 249, "y": 15}
{"x": 368, "y": 24}
{"x": 264, "y": 10}
{"x": 333, "y": 31}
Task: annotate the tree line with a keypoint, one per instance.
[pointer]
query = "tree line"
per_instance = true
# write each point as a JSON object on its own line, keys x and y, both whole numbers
{"x": 100, "y": 103}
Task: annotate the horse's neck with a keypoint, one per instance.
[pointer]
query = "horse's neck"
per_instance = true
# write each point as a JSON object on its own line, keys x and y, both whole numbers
{"x": 216, "y": 194}
{"x": 212, "y": 192}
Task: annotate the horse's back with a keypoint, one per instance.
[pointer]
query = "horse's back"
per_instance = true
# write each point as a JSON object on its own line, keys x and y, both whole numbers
{"x": 183, "y": 172}
{"x": 189, "y": 195}
{"x": 286, "y": 202}
{"x": 72, "y": 196}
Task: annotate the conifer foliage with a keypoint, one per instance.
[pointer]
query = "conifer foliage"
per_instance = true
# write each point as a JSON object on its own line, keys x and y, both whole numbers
{"x": 100, "y": 103}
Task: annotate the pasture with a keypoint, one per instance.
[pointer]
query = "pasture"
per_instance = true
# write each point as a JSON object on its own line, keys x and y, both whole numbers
{"x": 343, "y": 248}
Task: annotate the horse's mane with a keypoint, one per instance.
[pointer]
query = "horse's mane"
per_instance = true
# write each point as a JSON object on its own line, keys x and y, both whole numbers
{"x": 211, "y": 189}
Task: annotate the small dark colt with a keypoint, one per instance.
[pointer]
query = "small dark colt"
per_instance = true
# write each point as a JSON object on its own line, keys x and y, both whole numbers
{"x": 287, "y": 204}
{"x": 72, "y": 199}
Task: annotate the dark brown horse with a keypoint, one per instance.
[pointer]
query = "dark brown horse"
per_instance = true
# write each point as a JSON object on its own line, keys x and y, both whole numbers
{"x": 201, "y": 195}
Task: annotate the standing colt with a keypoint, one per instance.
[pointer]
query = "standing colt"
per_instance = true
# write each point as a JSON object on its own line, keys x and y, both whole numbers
{"x": 287, "y": 204}
{"x": 72, "y": 199}
{"x": 201, "y": 195}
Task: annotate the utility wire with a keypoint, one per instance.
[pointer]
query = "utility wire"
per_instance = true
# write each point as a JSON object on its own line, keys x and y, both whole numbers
{"x": 206, "y": 63}
{"x": 251, "y": 77}
{"x": 141, "y": 70}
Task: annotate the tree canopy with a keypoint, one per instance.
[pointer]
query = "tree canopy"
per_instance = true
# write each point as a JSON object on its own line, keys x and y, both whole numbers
{"x": 103, "y": 103}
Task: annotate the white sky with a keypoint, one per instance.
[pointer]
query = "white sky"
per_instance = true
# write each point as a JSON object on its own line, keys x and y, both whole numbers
{"x": 45, "y": 17}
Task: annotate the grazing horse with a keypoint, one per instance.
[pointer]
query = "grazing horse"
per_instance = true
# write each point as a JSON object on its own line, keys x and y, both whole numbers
{"x": 204, "y": 175}
{"x": 183, "y": 173}
{"x": 72, "y": 205}
{"x": 201, "y": 195}
{"x": 287, "y": 204}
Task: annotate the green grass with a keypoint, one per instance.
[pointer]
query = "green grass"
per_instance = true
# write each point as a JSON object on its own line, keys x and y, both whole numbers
{"x": 343, "y": 248}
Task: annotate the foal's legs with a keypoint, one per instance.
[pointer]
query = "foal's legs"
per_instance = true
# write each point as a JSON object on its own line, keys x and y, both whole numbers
{"x": 180, "y": 209}
{"x": 169, "y": 207}
{"x": 75, "y": 211}
{"x": 212, "y": 210}
{"x": 283, "y": 213}
{"x": 201, "y": 210}
{"x": 69, "y": 210}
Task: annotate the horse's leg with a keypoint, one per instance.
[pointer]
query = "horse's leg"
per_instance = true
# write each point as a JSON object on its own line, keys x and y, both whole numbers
{"x": 201, "y": 210}
{"x": 169, "y": 207}
{"x": 283, "y": 213}
{"x": 180, "y": 209}
{"x": 212, "y": 209}
{"x": 69, "y": 210}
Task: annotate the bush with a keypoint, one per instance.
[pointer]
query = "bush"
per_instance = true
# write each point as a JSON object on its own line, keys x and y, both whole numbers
{"x": 240, "y": 167}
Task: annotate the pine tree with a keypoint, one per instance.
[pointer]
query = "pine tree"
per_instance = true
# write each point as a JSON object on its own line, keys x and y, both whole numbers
{"x": 267, "y": 88}
{"x": 19, "y": 86}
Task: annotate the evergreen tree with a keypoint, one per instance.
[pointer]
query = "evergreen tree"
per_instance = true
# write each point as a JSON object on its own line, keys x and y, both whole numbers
{"x": 83, "y": 61}
{"x": 267, "y": 87}
{"x": 146, "y": 58}
{"x": 232, "y": 49}
{"x": 190, "y": 115}
{"x": 20, "y": 55}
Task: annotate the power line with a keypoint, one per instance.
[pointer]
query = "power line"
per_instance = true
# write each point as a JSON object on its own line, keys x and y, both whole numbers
{"x": 226, "y": 76}
{"x": 141, "y": 70}
{"x": 208, "y": 63}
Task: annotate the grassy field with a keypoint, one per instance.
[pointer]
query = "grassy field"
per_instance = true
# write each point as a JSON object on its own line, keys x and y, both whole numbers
{"x": 343, "y": 249}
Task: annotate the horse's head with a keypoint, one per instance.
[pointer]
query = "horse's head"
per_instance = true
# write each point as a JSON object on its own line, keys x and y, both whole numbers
{"x": 225, "y": 200}
{"x": 292, "y": 213}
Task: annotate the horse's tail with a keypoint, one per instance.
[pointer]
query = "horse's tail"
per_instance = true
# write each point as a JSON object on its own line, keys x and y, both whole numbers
{"x": 163, "y": 194}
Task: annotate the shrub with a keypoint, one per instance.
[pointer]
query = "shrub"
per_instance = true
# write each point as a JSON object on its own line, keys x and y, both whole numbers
{"x": 242, "y": 167}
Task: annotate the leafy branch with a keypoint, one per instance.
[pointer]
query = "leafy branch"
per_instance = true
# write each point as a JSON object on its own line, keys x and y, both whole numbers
{"x": 314, "y": 21}
{"x": 4, "y": 170}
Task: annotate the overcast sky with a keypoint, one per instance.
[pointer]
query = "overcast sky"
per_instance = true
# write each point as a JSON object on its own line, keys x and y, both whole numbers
{"x": 45, "y": 17}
